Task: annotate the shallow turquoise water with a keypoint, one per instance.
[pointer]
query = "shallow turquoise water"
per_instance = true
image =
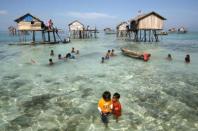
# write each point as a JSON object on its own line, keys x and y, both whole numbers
{"x": 155, "y": 95}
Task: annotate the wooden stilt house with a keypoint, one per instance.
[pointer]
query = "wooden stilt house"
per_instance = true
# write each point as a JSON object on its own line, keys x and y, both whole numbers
{"x": 30, "y": 23}
{"x": 77, "y": 30}
{"x": 145, "y": 27}
{"x": 122, "y": 29}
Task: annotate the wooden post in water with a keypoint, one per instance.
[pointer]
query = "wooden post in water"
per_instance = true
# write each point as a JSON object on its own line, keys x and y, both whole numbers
{"x": 149, "y": 35}
{"x": 33, "y": 36}
{"x": 43, "y": 36}
{"x": 48, "y": 33}
{"x": 54, "y": 35}
{"x": 95, "y": 32}
{"x": 140, "y": 35}
{"x": 144, "y": 35}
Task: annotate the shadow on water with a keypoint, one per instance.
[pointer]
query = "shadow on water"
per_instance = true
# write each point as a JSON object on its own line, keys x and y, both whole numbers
{"x": 4, "y": 56}
{"x": 86, "y": 92}
{"x": 29, "y": 109}
{"x": 10, "y": 77}
{"x": 36, "y": 104}
{"x": 9, "y": 87}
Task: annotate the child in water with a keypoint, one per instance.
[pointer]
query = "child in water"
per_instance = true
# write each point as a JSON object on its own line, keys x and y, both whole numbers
{"x": 50, "y": 62}
{"x": 112, "y": 53}
{"x": 187, "y": 58}
{"x": 108, "y": 54}
{"x": 169, "y": 57}
{"x": 117, "y": 109}
{"x": 52, "y": 53}
{"x": 59, "y": 56}
{"x": 105, "y": 106}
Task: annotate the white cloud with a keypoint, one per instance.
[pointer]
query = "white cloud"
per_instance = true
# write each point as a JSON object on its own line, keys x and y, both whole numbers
{"x": 89, "y": 15}
{"x": 3, "y": 12}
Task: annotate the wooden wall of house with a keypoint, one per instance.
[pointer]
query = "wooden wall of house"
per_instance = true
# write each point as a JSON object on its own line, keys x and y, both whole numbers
{"x": 151, "y": 22}
{"x": 122, "y": 27}
{"x": 36, "y": 25}
{"x": 76, "y": 26}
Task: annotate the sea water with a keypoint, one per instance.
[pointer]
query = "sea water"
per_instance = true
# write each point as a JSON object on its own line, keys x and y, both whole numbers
{"x": 155, "y": 95}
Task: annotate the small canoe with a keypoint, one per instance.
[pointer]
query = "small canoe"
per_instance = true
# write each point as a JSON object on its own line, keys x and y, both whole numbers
{"x": 132, "y": 54}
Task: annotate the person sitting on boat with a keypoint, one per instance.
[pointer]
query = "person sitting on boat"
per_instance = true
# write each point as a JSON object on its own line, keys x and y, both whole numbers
{"x": 146, "y": 56}
{"x": 51, "y": 62}
{"x": 187, "y": 58}
{"x": 108, "y": 54}
{"x": 169, "y": 57}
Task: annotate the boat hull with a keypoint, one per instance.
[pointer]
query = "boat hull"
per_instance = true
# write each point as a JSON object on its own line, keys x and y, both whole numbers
{"x": 132, "y": 54}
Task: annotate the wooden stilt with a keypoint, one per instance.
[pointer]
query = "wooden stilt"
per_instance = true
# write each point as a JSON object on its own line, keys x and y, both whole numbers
{"x": 54, "y": 35}
{"x": 140, "y": 35}
{"x": 95, "y": 32}
{"x": 149, "y": 35}
{"x": 43, "y": 36}
{"x": 48, "y": 33}
{"x": 33, "y": 37}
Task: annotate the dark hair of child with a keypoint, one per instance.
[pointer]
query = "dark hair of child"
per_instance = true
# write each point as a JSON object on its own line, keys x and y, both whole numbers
{"x": 116, "y": 95}
{"x": 106, "y": 96}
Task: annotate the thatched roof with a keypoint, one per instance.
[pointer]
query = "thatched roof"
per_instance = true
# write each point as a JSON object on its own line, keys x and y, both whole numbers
{"x": 26, "y": 15}
{"x": 76, "y": 21}
{"x": 139, "y": 17}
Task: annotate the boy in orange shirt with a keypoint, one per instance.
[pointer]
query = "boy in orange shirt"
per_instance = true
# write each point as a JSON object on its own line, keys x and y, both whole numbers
{"x": 117, "y": 109}
{"x": 105, "y": 107}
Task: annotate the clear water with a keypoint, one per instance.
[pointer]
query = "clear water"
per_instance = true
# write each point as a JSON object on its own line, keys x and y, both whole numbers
{"x": 155, "y": 95}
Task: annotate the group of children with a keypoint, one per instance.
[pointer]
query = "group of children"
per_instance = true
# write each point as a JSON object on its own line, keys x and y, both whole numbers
{"x": 108, "y": 106}
{"x": 68, "y": 55}
{"x": 187, "y": 58}
{"x": 108, "y": 55}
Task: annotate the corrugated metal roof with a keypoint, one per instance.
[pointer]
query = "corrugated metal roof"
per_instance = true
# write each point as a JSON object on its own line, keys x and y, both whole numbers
{"x": 28, "y": 17}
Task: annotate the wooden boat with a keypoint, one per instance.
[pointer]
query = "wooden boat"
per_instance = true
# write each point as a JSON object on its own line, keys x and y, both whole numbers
{"x": 67, "y": 40}
{"x": 182, "y": 30}
{"x": 109, "y": 31}
{"x": 132, "y": 54}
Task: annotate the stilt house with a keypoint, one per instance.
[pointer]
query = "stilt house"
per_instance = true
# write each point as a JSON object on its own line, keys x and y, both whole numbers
{"x": 30, "y": 23}
{"x": 79, "y": 31}
{"x": 146, "y": 27}
{"x": 122, "y": 29}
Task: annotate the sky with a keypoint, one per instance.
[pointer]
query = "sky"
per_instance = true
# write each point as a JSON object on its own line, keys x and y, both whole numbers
{"x": 100, "y": 13}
